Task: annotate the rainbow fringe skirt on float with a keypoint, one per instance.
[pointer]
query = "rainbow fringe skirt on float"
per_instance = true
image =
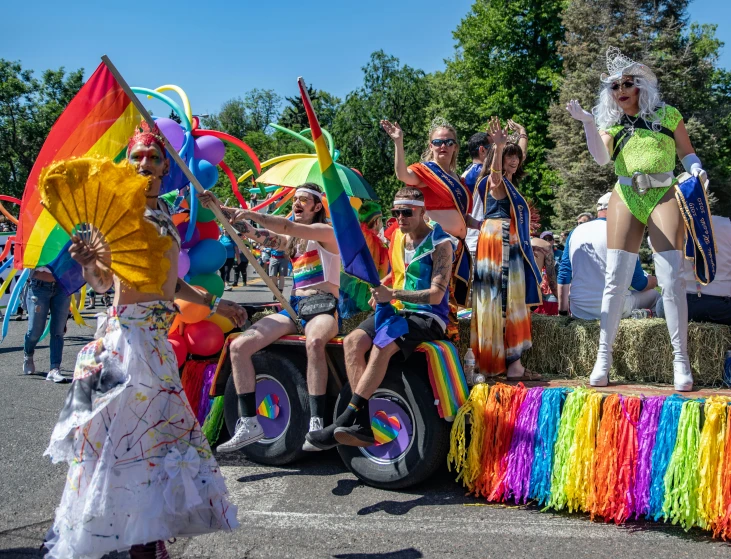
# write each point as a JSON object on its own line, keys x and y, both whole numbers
{"x": 612, "y": 456}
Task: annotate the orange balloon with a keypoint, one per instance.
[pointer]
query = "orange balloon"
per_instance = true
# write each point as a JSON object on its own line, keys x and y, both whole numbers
{"x": 180, "y": 218}
{"x": 192, "y": 312}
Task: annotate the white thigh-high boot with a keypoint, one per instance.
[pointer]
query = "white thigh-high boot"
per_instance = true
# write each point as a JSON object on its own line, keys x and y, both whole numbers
{"x": 620, "y": 267}
{"x": 669, "y": 272}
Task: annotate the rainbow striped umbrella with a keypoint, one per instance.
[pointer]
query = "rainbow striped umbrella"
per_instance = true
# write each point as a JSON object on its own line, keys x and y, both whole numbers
{"x": 295, "y": 172}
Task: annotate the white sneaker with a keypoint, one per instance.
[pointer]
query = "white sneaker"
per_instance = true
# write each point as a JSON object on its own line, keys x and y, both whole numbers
{"x": 248, "y": 431}
{"x": 29, "y": 368}
{"x": 316, "y": 424}
{"x": 56, "y": 376}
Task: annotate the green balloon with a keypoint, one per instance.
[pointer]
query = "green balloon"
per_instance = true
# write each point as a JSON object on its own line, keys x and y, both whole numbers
{"x": 204, "y": 215}
{"x": 213, "y": 283}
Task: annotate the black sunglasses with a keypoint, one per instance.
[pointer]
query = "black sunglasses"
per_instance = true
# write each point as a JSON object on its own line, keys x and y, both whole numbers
{"x": 626, "y": 85}
{"x": 405, "y": 213}
{"x": 437, "y": 142}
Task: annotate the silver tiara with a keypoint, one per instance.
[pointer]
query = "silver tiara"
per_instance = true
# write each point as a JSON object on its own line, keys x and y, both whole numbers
{"x": 619, "y": 65}
{"x": 439, "y": 122}
{"x": 616, "y": 61}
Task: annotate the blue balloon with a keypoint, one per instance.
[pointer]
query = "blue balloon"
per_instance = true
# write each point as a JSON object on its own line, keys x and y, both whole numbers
{"x": 206, "y": 173}
{"x": 206, "y": 257}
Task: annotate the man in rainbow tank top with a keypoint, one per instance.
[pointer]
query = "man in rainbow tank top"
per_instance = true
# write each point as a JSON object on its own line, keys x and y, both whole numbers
{"x": 310, "y": 244}
{"x": 421, "y": 265}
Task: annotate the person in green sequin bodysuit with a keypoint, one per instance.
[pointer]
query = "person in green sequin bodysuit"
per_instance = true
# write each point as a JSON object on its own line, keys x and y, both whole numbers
{"x": 641, "y": 134}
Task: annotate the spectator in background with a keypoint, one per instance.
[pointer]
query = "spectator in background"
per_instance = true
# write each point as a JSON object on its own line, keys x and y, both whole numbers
{"x": 583, "y": 267}
{"x": 584, "y": 218}
{"x": 45, "y": 295}
{"x": 543, "y": 253}
{"x": 562, "y": 240}
{"x": 278, "y": 267}
{"x": 228, "y": 265}
{"x": 557, "y": 252}
{"x": 712, "y": 302}
{"x": 242, "y": 265}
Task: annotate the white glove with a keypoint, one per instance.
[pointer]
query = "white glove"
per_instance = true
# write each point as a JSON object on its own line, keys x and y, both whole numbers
{"x": 692, "y": 164}
{"x": 593, "y": 141}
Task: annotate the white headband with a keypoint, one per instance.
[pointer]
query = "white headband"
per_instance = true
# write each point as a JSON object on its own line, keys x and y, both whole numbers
{"x": 315, "y": 193}
{"x": 408, "y": 202}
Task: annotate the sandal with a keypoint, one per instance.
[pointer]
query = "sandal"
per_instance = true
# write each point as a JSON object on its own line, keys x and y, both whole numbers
{"x": 527, "y": 375}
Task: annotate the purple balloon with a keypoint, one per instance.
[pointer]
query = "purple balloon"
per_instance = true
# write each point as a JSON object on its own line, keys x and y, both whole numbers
{"x": 183, "y": 263}
{"x": 173, "y": 132}
{"x": 182, "y": 228}
{"x": 209, "y": 148}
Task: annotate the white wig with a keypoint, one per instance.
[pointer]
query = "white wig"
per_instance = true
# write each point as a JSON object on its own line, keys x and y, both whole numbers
{"x": 607, "y": 112}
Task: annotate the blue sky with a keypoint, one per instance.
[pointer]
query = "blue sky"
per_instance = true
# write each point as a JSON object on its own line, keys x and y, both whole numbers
{"x": 216, "y": 50}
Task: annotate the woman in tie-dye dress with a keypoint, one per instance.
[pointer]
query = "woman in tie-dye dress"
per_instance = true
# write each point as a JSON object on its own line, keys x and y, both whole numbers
{"x": 506, "y": 279}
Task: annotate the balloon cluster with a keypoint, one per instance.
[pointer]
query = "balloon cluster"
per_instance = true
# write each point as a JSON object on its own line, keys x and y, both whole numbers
{"x": 201, "y": 254}
{"x": 200, "y": 258}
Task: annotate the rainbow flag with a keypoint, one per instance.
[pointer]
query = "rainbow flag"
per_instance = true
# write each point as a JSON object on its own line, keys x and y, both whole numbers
{"x": 446, "y": 377}
{"x": 356, "y": 258}
{"x": 98, "y": 121}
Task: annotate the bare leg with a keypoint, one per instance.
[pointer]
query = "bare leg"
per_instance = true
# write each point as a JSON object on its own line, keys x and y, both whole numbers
{"x": 318, "y": 332}
{"x": 624, "y": 231}
{"x": 356, "y": 345}
{"x": 375, "y": 371}
{"x": 624, "y": 235}
{"x": 666, "y": 233}
{"x": 265, "y": 332}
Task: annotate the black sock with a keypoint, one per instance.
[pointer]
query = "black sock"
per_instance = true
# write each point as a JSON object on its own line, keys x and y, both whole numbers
{"x": 317, "y": 405}
{"x": 247, "y": 404}
{"x": 352, "y": 412}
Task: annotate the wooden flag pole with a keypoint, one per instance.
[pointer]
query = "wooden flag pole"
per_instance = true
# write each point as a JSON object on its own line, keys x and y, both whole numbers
{"x": 216, "y": 211}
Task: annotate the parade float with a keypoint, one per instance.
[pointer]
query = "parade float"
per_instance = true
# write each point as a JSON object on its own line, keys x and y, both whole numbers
{"x": 632, "y": 450}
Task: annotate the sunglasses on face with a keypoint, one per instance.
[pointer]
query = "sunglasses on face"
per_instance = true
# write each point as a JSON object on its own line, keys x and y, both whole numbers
{"x": 625, "y": 85}
{"x": 438, "y": 142}
{"x": 399, "y": 213}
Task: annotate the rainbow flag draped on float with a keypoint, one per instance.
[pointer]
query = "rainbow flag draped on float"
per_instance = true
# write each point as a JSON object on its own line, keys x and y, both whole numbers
{"x": 98, "y": 121}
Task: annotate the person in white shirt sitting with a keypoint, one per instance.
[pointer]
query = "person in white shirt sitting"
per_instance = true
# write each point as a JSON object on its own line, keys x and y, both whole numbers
{"x": 712, "y": 302}
{"x": 582, "y": 270}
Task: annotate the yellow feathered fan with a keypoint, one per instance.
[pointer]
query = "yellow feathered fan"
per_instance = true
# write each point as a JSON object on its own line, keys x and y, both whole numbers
{"x": 104, "y": 204}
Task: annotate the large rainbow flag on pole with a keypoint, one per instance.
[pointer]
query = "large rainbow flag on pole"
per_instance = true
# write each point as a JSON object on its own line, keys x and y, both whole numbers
{"x": 98, "y": 121}
{"x": 356, "y": 258}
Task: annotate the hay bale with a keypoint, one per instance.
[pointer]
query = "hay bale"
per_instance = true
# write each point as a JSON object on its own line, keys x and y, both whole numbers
{"x": 350, "y": 324}
{"x": 261, "y": 314}
{"x": 567, "y": 347}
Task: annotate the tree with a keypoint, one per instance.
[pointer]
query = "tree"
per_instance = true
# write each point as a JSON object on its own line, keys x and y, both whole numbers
{"x": 262, "y": 107}
{"x": 174, "y": 116}
{"x": 28, "y": 109}
{"x": 683, "y": 56}
{"x": 389, "y": 90}
{"x": 326, "y": 106}
{"x": 506, "y": 65}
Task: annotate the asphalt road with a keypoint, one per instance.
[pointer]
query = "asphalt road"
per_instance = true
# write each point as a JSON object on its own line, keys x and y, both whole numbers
{"x": 313, "y": 509}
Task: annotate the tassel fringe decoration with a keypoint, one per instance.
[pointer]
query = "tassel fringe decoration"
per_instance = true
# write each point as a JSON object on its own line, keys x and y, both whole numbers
{"x": 520, "y": 457}
{"x": 681, "y": 479}
{"x": 466, "y": 460}
{"x": 214, "y": 421}
{"x": 562, "y": 452}
{"x": 549, "y": 418}
{"x": 646, "y": 432}
{"x": 580, "y": 482}
{"x": 614, "y": 457}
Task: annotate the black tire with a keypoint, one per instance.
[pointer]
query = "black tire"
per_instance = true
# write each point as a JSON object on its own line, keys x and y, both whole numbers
{"x": 289, "y": 371}
{"x": 430, "y": 445}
